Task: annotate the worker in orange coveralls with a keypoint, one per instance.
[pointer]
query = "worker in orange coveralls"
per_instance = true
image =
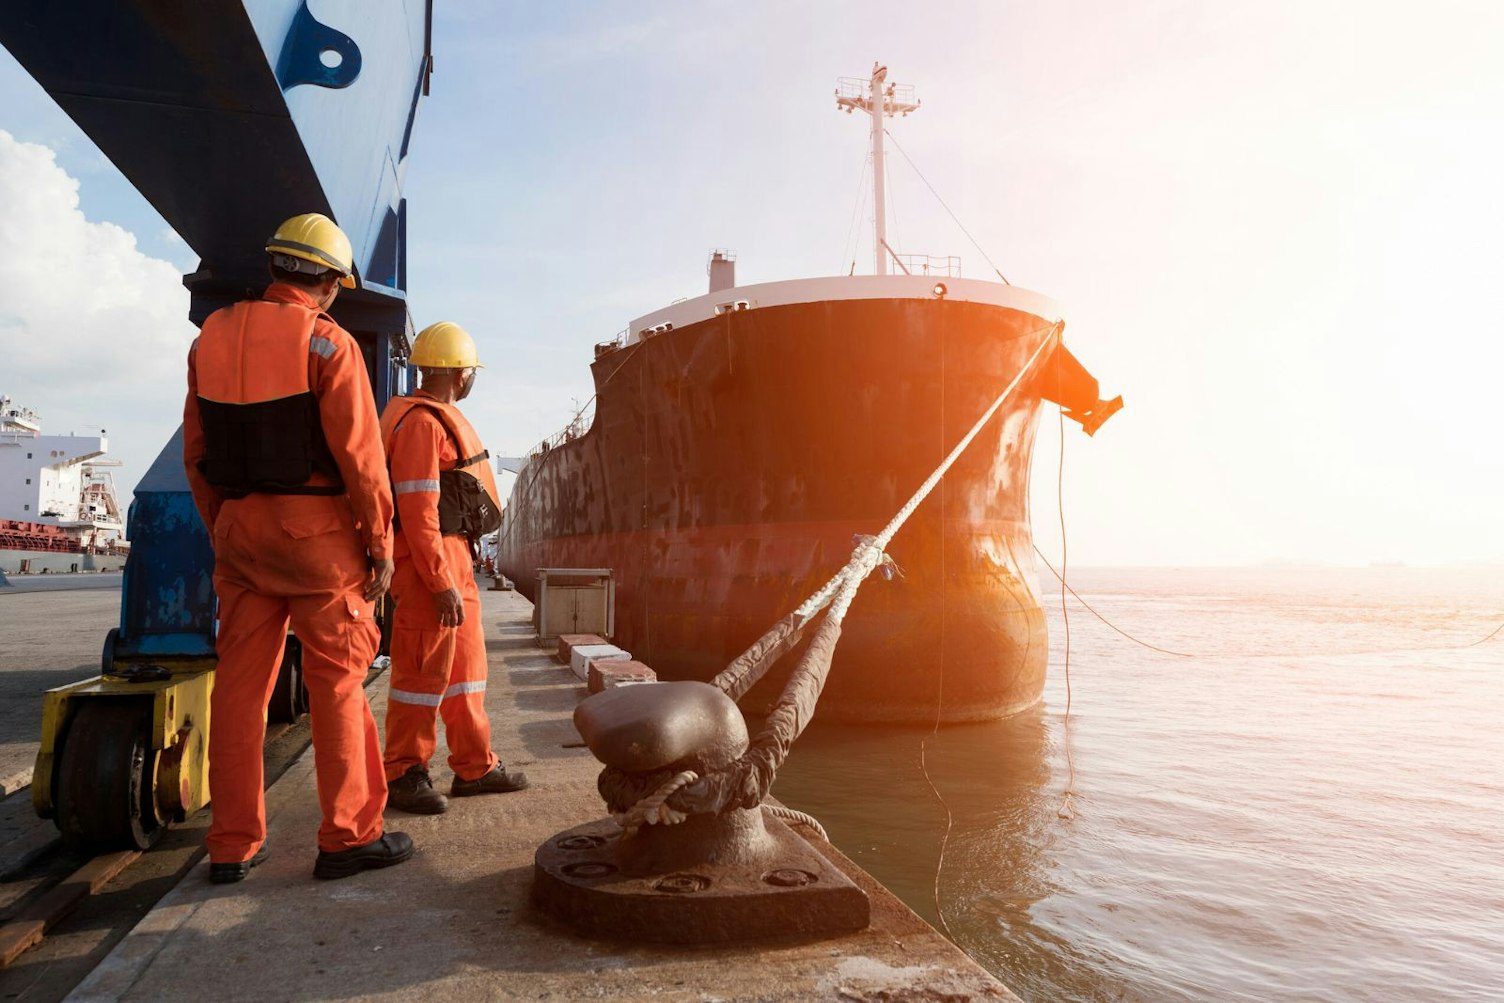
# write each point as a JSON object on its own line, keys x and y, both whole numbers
{"x": 283, "y": 452}
{"x": 446, "y": 500}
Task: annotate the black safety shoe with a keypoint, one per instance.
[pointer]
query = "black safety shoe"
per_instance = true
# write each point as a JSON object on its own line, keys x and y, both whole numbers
{"x": 498, "y": 781}
{"x": 228, "y": 874}
{"x": 393, "y": 848}
{"x": 413, "y": 792}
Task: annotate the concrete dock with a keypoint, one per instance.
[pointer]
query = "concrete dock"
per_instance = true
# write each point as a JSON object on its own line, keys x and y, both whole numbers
{"x": 456, "y": 921}
{"x": 52, "y": 629}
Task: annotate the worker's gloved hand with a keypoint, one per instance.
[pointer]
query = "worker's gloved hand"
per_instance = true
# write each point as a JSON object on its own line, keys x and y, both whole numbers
{"x": 450, "y": 606}
{"x": 381, "y": 577}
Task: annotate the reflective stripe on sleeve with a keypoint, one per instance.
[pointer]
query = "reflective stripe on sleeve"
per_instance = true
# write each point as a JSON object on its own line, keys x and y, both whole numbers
{"x": 420, "y": 699}
{"x": 410, "y": 487}
{"x": 323, "y": 346}
{"x": 460, "y": 689}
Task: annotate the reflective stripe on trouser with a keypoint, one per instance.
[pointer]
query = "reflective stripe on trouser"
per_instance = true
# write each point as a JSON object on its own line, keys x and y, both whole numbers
{"x": 297, "y": 559}
{"x": 437, "y": 671}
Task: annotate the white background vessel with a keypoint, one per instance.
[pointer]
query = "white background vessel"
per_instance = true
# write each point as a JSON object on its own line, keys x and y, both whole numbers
{"x": 58, "y": 510}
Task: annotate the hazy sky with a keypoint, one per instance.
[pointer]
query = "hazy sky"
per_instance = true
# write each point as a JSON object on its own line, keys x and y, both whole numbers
{"x": 1275, "y": 228}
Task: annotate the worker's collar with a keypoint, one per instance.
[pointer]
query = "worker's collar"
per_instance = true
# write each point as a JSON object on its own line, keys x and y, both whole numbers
{"x": 420, "y": 392}
{"x": 286, "y": 292}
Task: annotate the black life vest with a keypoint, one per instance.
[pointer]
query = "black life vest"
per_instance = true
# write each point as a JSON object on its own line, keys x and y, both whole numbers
{"x": 262, "y": 430}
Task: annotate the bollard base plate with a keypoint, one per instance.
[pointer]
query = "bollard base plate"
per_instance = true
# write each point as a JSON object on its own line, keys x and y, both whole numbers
{"x": 794, "y": 893}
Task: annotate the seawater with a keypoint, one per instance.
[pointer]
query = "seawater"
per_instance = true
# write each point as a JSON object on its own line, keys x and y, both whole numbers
{"x": 1312, "y": 807}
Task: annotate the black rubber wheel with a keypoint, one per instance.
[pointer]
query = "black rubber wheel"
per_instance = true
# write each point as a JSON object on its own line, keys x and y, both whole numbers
{"x": 289, "y": 696}
{"x": 105, "y": 795}
{"x": 107, "y": 657}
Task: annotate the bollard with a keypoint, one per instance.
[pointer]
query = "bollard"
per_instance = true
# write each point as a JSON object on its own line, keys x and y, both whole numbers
{"x": 737, "y": 876}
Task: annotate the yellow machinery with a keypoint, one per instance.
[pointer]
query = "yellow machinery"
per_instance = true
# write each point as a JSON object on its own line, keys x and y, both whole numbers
{"x": 123, "y": 755}
{"x": 127, "y": 753}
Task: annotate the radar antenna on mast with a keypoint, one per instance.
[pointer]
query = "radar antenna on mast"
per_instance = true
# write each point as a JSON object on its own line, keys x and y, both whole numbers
{"x": 879, "y": 102}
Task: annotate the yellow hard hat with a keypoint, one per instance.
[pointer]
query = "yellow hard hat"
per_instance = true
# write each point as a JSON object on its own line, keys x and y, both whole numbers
{"x": 316, "y": 238}
{"x": 444, "y": 345}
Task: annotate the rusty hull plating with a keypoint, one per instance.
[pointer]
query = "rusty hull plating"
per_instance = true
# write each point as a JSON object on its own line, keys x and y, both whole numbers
{"x": 732, "y": 460}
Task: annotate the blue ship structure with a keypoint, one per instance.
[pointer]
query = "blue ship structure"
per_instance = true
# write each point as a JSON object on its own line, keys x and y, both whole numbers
{"x": 229, "y": 117}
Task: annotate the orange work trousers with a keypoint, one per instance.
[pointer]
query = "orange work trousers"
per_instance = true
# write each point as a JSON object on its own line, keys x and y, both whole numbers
{"x": 437, "y": 671}
{"x": 297, "y": 559}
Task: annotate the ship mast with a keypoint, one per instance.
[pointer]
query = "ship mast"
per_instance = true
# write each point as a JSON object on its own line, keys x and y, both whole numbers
{"x": 879, "y": 103}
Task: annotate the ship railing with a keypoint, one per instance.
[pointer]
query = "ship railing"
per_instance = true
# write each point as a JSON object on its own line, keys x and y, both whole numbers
{"x": 857, "y": 88}
{"x": 852, "y": 88}
{"x": 947, "y": 266}
{"x": 577, "y": 427}
{"x": 14, "y": 536}
{"x": 616, "y": 343}
{"x": 100, "y": 490}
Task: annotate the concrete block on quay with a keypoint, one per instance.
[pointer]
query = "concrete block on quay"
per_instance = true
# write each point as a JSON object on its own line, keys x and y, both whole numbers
{"x": 582, "y": 655}
{"x": 607, "y": 674}
{"x": 568, "y": 642}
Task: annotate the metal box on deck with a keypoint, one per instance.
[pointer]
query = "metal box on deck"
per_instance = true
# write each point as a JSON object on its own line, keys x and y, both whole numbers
{"x": 575, "y": 601}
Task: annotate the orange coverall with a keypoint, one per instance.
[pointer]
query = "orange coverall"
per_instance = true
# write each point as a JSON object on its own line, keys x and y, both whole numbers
{"x": 297, "y": 558}
{"x": 435, "y": 669}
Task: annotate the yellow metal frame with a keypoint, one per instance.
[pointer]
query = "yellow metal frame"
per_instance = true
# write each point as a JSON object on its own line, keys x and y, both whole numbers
{"x": 179, "y": 733}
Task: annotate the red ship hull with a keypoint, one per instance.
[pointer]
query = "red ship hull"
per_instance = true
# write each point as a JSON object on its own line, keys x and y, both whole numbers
{"x": 731, "y": 462}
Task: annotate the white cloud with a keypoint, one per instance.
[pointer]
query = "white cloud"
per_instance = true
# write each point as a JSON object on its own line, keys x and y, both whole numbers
{"x": 95, "y": 333}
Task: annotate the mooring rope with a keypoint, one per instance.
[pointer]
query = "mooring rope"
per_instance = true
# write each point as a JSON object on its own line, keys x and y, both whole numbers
{"x": 792, "y": 815}
{"x": 1065, "y": 810}
{"x": 652, "y": 810}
